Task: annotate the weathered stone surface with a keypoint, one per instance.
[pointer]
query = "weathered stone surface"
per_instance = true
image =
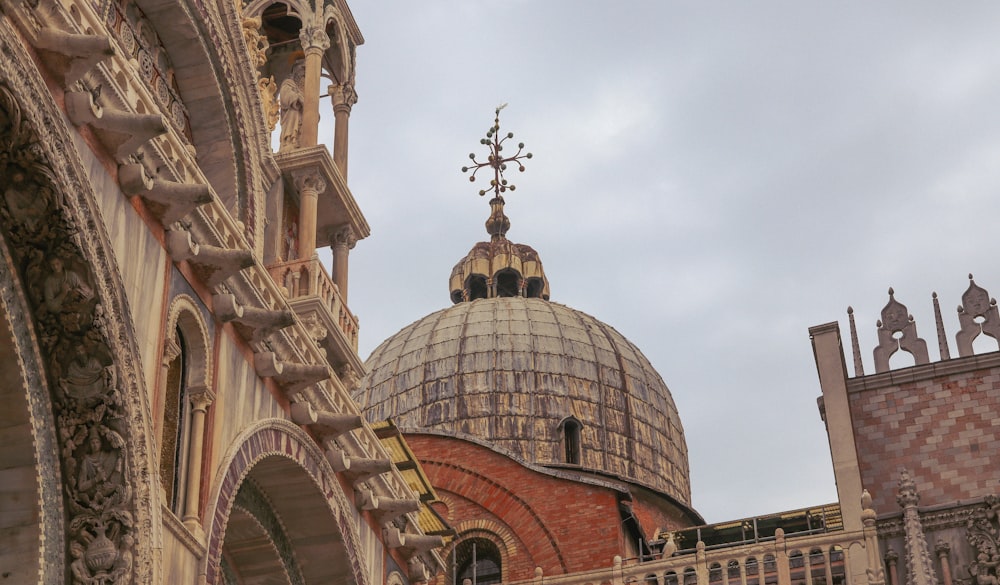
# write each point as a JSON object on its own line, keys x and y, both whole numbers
{"x": 509, "y": 370}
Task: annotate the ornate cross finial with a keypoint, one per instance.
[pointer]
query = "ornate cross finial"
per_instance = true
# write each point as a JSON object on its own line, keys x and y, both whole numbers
{"x": 495, "y": 160}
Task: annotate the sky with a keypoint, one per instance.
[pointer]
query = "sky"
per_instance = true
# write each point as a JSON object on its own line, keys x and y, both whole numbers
{"x": 709, "y": 178}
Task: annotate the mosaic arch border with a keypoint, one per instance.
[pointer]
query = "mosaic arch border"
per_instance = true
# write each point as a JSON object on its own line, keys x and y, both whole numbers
{"x": 51, "y": 139}
{"x": 267, "y": 438}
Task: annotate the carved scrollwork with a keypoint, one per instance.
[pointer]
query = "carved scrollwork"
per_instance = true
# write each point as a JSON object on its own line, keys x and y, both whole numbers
{"x": 983, "y": 533}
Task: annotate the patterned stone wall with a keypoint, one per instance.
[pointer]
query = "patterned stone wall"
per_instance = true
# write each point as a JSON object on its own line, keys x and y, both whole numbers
{"x": 944, "y": 429}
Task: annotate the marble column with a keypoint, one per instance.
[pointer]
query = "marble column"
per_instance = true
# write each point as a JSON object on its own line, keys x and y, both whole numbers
{"x": 200, "y": 397}
{"x": 309, "y": 184}
{"x": 314, "y": 43}
{"x": 343, "y": 241}
{"x": 343, "y": 97}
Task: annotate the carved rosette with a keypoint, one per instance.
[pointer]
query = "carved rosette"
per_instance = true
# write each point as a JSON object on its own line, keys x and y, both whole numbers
{"x": 73, "y": 334}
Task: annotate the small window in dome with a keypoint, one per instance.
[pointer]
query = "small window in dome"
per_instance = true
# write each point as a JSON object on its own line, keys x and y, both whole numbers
{"x": 571, "y": 440}
{"x": 508, "y": 283}
{"x": 534, "y": 288}
{"x": 477, "y": 287}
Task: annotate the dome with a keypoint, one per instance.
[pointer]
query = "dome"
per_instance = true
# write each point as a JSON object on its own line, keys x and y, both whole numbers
{"x": 545, "y": 383}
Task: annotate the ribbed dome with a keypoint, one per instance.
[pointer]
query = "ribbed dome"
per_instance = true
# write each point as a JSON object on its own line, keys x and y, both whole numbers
{"x": 524, "y": 374}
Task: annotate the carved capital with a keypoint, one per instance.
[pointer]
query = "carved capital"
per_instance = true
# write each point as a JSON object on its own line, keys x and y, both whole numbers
{"x": 343, "y": 97}
{"x": 308, "y": 182}
{"x": 171, "y": 349}
{"x": 314, "y": 39}
{"x": 891, "y": 557}
{"x": 343, "y": 237}
{"x": 201, "y": 397}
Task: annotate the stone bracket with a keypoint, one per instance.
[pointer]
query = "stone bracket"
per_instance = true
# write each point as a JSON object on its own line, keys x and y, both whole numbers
{"x": 325, "y": 423}
{"x": 122, "y": 132}
{"x": 77, "y": 54}
{"x": 177, "y": 200}
{"x": 394, "y": 538}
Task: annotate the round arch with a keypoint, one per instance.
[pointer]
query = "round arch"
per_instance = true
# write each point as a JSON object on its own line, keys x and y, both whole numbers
{"x": 295, "y": 480}
{"x": 87, "y": 355}
{"x": 32, "y": 512}
{"x": 185, "y": 316}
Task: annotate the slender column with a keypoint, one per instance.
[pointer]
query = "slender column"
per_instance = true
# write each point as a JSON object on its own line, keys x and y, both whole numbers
{"x": 200, "y": 397}
{"x": 309, "y": 184}
{"x": 343, "y": 97}
{"x": 314, "y": 43}
{"x": 943, "y": 549}
{"x": 343, "y": 242}
{"x": 892, "y": 558}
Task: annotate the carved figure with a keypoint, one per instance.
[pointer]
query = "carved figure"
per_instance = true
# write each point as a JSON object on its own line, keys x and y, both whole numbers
{"x": 100, "y": 471}
{"x": 268, "y": 98}
{"x": 81, "y": 574}
{"x": 292, "y": 240}
{"x": 63, "y": 288}
{"x": 87, "y": 379}
{"x": 26, "y": 202}
{"x": 291, "y": 101}
{"x": 121, "y": 572}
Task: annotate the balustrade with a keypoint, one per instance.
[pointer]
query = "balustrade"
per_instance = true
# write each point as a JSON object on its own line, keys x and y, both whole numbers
{"x": 308, "y": 278}
{"x": 812, "y": 559}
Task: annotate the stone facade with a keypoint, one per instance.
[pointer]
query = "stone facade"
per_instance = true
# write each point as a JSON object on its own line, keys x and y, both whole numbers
{"x": 172, "y": 413}
{"x": 922, "y": 439}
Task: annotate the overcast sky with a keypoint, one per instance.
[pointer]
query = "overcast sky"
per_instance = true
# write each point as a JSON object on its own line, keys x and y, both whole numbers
{"x": 709, "y": 178}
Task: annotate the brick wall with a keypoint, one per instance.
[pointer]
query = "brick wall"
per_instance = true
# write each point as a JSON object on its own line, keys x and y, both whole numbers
{"x": 944, "y": 429}
{"x": 557, "y": 524}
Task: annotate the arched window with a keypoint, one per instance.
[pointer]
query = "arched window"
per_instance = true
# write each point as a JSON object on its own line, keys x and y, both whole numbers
{"x": 477, "y": 287}
{"x": 571, "y": 440}
{"x": 535, "y": 286}
{"x": 508, "y": 283}
{"x": 185, "y": 395}
{"x": 478, "y": 560}
{"x": 173, "y": 446}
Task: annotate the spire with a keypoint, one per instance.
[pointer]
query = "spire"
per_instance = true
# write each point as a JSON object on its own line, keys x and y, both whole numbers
{"x": 498, "y": 223}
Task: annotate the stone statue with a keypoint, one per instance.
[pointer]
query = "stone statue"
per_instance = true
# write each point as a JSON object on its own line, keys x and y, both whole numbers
{"x": 291, "y": 101}
{"x": 63, "y": 288}
{"x": 292, "y": 242}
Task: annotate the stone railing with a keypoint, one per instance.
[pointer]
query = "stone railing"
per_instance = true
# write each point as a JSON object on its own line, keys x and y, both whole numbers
{"x": 309, "y": 279}
{"x": 813, "y": 559}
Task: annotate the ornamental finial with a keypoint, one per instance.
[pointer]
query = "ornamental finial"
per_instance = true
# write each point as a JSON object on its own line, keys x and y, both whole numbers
{"x": 495, "y": 159}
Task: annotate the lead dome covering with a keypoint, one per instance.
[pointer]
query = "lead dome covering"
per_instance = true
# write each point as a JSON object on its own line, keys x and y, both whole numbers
{"x": 511, "y": 370}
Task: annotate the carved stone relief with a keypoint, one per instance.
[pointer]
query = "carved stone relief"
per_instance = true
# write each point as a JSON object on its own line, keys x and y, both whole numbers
{"x": 983, "y": 532}
{"x": 54, "y": 255}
